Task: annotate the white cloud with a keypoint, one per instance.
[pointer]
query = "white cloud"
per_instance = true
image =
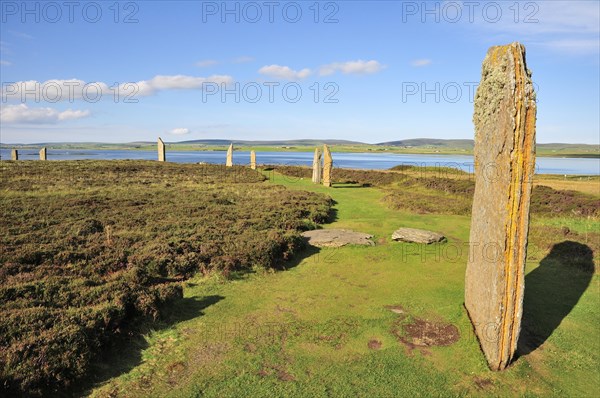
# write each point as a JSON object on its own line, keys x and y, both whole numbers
{"x": 284, "y": 72}
{"x": 243, "y": 60}
{"x": 4, "y": 63}
{"x": 206, "y": 62}
{"x": 71, "y": 114}
{"x": 180, "y": 131}
{"x": 74, "y": 89}
{"x": 182, "y": 82}
{"x": 358, "y": 67}
{"x": 563, "y": 17}
{"x": 417, "y": 63}
{"x": 177, "y": 82}
{"x": 23, "y": 114}
{"x": 562, "y": 26}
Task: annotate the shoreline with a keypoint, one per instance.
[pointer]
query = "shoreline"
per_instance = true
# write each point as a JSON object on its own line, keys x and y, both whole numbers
{"x": 340, "y": 149}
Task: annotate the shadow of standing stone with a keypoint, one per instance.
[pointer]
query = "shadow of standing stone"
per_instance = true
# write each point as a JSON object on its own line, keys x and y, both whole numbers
{"x": 552, "y": 291}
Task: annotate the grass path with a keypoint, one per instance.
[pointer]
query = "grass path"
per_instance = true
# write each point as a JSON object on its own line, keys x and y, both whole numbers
{"x": 306, "y": 331}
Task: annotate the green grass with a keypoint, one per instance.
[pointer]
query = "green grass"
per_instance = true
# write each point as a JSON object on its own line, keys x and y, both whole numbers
{"x": 89, "y": 248}
{"x": 304, "y": 331}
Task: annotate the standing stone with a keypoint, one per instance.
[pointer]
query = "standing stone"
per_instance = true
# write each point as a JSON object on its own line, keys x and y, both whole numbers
{"x": 161, "y": 151}
{"x": 43, "y": 154}
{"x": 14, "y": 155}
{"x": 229, "y": 161}
{"x": 327, "y": 166}
{"x": 316, "y": 175}
{"x": 253, "y": 160}
{"x": 504, "y": 119}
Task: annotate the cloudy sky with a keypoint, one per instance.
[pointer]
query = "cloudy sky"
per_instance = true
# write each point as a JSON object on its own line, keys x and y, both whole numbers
{"x": 370, "y": 71}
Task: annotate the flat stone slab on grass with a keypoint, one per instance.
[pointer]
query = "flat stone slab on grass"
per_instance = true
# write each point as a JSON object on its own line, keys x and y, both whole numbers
{"x": 337, "y": 238}
{"x": 414, "y": 235}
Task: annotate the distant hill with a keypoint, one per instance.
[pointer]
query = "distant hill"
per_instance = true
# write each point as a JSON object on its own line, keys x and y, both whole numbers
{"x": 306, "y": 142}
{"x": 413, "y": 145}
{"x": 562, "y": 147}
{"x": 468, "y": 144}
{"x": 416, "y": 142}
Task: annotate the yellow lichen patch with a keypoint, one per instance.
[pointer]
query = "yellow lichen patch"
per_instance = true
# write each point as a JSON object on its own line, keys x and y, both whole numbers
{"x": 499, "y": 53}
{"x": 517, "y": 204}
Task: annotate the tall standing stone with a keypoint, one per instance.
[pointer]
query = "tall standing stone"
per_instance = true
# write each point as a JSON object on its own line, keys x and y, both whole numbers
{"x": 162, "y": 156}
{"x": 253, "y": 160}
{"x": 14, "y": 155}
{"x": 43, "y": 154}
{"x": 229, "y": 161}
{"x": 327, "y": 166}
{"x": 504, "y": 119}
{"x": 316, "y": 175}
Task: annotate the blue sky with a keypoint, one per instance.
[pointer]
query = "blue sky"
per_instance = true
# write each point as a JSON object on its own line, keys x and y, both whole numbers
{"x": 370, "y": 71}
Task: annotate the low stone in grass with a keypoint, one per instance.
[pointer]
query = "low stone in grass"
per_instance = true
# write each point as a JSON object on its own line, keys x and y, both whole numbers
{"x": 337, "y": 238}
{"x": 414, "y": 235}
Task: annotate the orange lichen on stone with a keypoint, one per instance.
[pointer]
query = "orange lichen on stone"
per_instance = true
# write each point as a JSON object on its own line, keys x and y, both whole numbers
{"x": 504, "y": 121}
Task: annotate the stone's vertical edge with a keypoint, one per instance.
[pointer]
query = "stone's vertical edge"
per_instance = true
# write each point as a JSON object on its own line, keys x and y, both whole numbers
{"x": 14, "y": 154}
{"x": 162, "y": 156}
{"x": 229, "y": 161}
{"x": 316, "y": 175}
{"x": 524, "y": 162}
{"x": 327, "y": 166}
{"x": 253, "y": 160}
{"x": 43, "y": 154}
{"x": 504, "y": 119}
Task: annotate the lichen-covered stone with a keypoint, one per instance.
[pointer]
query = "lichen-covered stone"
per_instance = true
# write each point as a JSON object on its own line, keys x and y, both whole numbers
{"x": 337, "y": 238}
{"x": 504, "y": 119}
{"x": 253, "y": 160}
{"x": 43, "y": 154}
{"x": 14, "y": 155}
{"x": 317, "y": 169}
{"x": 229, "y": 161}
{"x": 327, "y": 166}
{"x": 162, "y": 156}
{"x": 414, "y": 235}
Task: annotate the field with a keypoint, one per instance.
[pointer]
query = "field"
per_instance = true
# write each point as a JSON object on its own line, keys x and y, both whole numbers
{"x": 328, "y": 322}
{"x": 88, "y": 248}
